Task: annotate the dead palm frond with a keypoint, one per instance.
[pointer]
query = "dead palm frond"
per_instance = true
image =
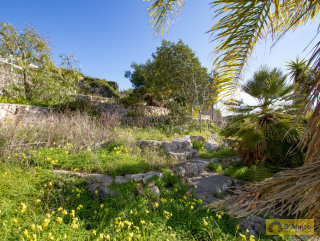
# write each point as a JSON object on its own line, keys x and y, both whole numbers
{"x": 294, "y": 192}
{"x": 311, "y": 86}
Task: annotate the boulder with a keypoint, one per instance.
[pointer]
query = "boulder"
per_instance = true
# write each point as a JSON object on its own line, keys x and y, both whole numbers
{"x": 191, "y": 168}
{"x": 207, "y": 184}
{"x": 143, "y": 176}
{"x": 101, "y": 179}
{"x": 255, "y": 224}
{"x": 197, "y": 138}
{"x": 120, "y": 180}
{"x": 182, "y": 156}
{"x": 211, "y": 145}
{"x": 154, "y": 189}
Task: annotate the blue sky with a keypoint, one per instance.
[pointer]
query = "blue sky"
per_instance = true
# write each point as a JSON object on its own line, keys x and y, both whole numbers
{"x": 107, "y": 35}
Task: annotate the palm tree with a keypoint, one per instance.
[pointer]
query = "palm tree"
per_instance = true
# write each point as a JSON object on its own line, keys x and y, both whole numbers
{"x": 240, "y": 25}
{"x": 298, "y": 70}
{"x": 265, "y": 130}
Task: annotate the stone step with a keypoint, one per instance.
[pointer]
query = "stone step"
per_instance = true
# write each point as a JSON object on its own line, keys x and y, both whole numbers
{"x": 184, "y": 155}
{"x": 195, "y": 166}
{"x": 208, "y": 184}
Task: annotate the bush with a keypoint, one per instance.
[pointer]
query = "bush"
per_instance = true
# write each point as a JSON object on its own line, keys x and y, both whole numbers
{"x": 129, "y": 100}
{"x": 219, "y": 153}
{"x": 198, "y": 145}
{"x": 102, "y": 87}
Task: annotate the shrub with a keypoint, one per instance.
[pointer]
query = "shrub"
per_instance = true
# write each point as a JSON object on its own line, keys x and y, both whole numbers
{"x": 89, "y": 85}
{"x": 198, "y": 145}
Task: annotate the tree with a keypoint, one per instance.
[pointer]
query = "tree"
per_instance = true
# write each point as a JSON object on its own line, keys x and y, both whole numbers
{"x": 29, "y": 50}
{"x": 175, "y": 69}
{"x": 137, "y": 76}
{"x": 174, "y": 73}
{"x": 265, "y": 131}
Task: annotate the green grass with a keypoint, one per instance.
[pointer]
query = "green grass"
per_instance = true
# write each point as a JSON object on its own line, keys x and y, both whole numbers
{"x": 21, "y": 101}
{"x": 114, "y": 159}
{"x": 252, "y": 173}
{"x": 220, "y": 153}
{"x": 36, "y": 203}
{"x": 136, "y": 133}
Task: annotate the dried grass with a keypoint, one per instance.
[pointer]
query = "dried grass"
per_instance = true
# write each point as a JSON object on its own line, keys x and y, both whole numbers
{"x": 28, "y": 132}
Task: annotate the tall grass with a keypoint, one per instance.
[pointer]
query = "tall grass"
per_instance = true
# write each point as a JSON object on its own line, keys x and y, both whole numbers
{"x": 19, "y": 136}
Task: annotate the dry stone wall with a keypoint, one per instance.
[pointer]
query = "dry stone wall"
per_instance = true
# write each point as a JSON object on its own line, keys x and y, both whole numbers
{"x": 12, "y": 111}
{"x": 8, "y": 76}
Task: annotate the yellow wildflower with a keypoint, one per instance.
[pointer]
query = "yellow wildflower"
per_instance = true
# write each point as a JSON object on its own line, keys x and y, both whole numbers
{"x": 79, "y": 207}
{"x": 243, "y": 236}
{"x": 252, "y": 238}
{"x": 46, "y": 222}
{"x": 59, "y": 219}
{"x": 74, "y": 225}
{"x": 156, "y": 205}
{"x": 205, "y": 222}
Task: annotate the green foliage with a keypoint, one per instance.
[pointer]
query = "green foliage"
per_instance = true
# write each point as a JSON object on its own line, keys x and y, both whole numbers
{"x": 36, "y": 77}
{"x": 77, "y": 105}
{"x": 252, "y": 173}
{"x": 216, "y": 167}
{"x": 175, "y": 75}
{"x": 219, "y": 153}
{"x": 129, "y": 100}
{"x": 114, "y": 161}
{"x": 21, "y": 101}
{"x": 36, "y": 202}
{"x": 266, "y": 131}
{"x": 198, "y": 145}
{"x": 99, "y": 86}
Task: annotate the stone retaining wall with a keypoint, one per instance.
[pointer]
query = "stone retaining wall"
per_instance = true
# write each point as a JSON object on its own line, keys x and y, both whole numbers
{"x": 12, "y": 111}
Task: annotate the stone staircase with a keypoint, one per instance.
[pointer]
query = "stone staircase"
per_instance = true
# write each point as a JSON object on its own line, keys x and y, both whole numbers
{"x": 195, "y": 170}
{"x": 180, "y": 148}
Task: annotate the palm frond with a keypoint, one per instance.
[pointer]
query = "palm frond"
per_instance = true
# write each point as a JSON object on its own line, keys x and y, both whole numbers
{"x": 241, "y": 25}
{"x": 311, "y": 87}
{"x": 163, "y": 13}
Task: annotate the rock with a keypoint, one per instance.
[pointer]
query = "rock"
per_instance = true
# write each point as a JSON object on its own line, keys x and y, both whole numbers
{"x": 197, "y": 138}
{"x": 192, "y": 168}
{"x": 177, "y": 145}
{"x": 211, "y": 145}
{"x": 229, "y": 160}
{"x": 182, "y": 156}
{"x": 104, "y": 180}
{"x": 149, "y": 144}
{"x": 143, "y": 176}
{"x": 154, "y": 189}
{"x": 256, "y": 225}
{"x": 120, "y": 180}
{"x": 93, "y": 186}
{"x": 12, "y": 111}
{"x": 104, "y": 191}
{"x": 228, "y": 142}
{"x": 210, "y": 183}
